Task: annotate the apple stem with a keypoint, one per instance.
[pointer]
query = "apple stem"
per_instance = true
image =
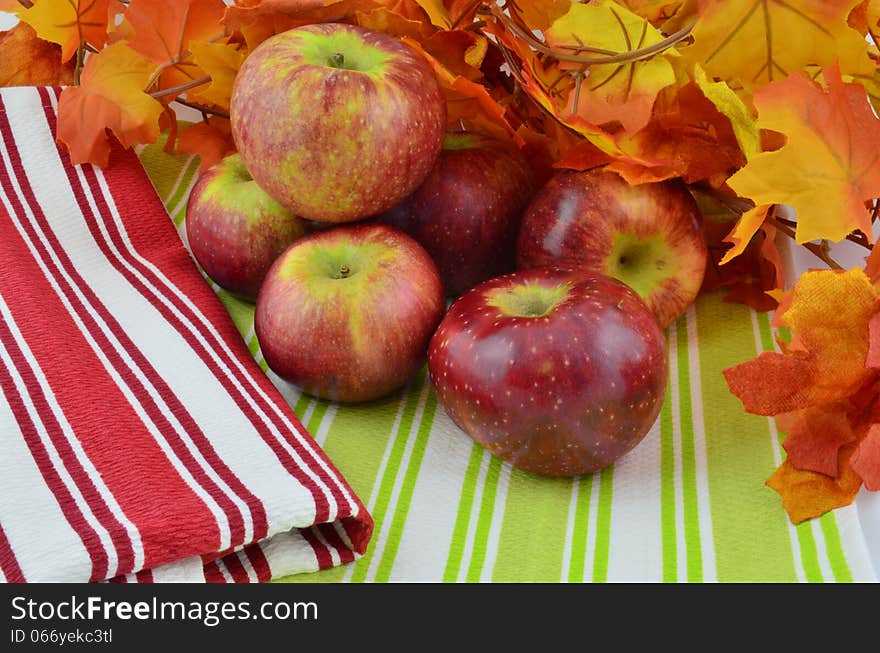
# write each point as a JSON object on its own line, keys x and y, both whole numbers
{"x": 344, "y": 271}
{"x": 337, "y": 60}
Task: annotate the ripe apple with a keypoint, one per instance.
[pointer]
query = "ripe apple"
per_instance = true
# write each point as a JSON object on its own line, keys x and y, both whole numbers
{"x": 558, "y": 372}
{"x": 347, "y": 313}
{"x": 235, "y": 230}
{"x": 337, "y": 122}
{"x": 467, "y": 212}
{"x": 647, "y": 235}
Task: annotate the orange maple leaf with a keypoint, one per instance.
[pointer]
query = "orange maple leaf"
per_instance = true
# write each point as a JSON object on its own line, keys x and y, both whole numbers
{"x": 30, "y": 61}
{"x": 210, "y": 141}
{"x": 830, "y": 164}
{"x": 68, "y": 23}
{"x": 110, "y": 96}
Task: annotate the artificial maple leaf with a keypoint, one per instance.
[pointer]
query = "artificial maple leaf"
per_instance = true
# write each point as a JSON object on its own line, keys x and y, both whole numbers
{"x": 656, "y": 11}
{"x": 539, "y": 14}
{"x": 68, "y": 23}
{"x": 865, "y": 460}
{"x": 759, "y": 41}
{"x": 616, "y": 92}
{"x": 829, "y": 312}
{"x": 110, "y": 96}
{"x": 730, "y": 105}
{"x": 449, "y": 14}
{"x": 163, "y": 29}
{"x": 828, "y": 167}
{"x": 30, "y": 61}
{"x": 221, "y": 62}
{"x": 383, "y": 19}
{"x": 10, "y": 6}
{"x": 746, "y": 227}
{"x": 210, "y": 141}
{"x": 815, "y": 436}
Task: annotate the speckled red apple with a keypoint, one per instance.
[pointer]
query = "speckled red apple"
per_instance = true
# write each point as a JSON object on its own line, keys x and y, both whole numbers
{"x": 467, "y": 212}
{"x": 234, "y": 229}
{"x": 337, "y": 122}
{"x": 646, "y": 235}
{"x": 347, "y": 313}
{"x": 559, "y": 373}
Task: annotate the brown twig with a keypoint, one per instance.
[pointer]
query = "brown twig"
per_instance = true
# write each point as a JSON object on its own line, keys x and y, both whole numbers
{"x": 211, "y": 111}
{"x": 174, "y": 61}
{"x": 819, "y": 251}
{"x": 180, "y": 89}
{"x": 27, "y": 4}
{"x": 461, "y": 16}
{"x": 80, "y": 60}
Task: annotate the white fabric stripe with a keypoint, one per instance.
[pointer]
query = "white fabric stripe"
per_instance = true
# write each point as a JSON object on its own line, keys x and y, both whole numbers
{"x": 592, "y": 526}
{"x": 334, "y": 554}
{"x": 340, "y": 531}
{"x": 855, "y": 544}
{"x": 184, "y": 170}
{"x": 224, "y": 571}
{"x": 248, "y": 567}
{"x": 2, "y": 576}
{"x": 822, "y": 551}
{"x": 82, "y": 505}
{"x": 324, "y": 428}
{"x": 494, "y": 536}
{"x": 216, "y": 343}
{"x": 382, "y": 536}
{"x": 468, "y": 552}
{"x": 636, "y": 540}
{"x": 569, "y": 530}
{"x": 184, "y": 198}
{"x": 41, "y": 538}
{"x": 380, "y": 473}
{"x": 187, "y": 570}
{"x": 424, "y": 544}
{"x": 704, "y": 509}
{"x": 81, "y": 457}
{"x": 674, "y": 398}
{"x": 777, "y": 461}
{"x": 44, "y": 133}
{"x": 289, "y": 553}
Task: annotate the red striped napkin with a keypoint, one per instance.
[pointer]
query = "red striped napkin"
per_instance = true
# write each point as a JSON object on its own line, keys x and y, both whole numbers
{"x": 138, "y": 439}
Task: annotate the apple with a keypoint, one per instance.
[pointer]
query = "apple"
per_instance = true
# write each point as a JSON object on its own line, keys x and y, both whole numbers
{"x": 558, "y": 372}
{"x": 467, "y": 212}
{"x": 337, "y": 122}
{"x": 346, "y": 313}
{"x": 235, "y": 230}
{"x": 647, "y": 235}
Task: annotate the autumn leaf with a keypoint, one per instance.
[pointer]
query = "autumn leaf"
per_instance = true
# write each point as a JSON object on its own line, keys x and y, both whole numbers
{"x": 221, "y": 61}
{"x": 210, "y": 141}
{"x": 759, "y": 41}
{"x": 110, "y": 96}
{"x": 449, "y": 14}
{"x": 828, "y": 167}
{"x": 656, "y": 11}
{"x": 730, "y": 105}
{"x": 68, "y": 23}
{"x": 539, "y": 14}
{"x": 30, "y": 61}
{"x": 616, "y": 92}
{"x": 815, "y": 437}
{"x": 746, "y": 227}
{"x": 865, "y": 460}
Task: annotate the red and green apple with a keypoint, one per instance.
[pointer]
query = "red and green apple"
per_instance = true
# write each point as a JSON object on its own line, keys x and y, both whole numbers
{"x": 558, "y": 372}
{"x": 648, "y": 235}
{"x": 347, "y": 313}
{"x": 234, "y": 229}
{"x": 337, "y": 122}
{"x": 467, "y": 212}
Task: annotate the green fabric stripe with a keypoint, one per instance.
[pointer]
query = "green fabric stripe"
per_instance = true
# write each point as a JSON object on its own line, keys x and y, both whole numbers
{"x": 317, "y": 417}
{"x": 484, "y": 522}
{"x": 463, "y": 518}
{"x": 395, "y": 533}
{"x": 693, "y": 547}
{"x": 534, "y": 505}
{"x": 579, "y": 530}
{"x": 175, "y": 201}
{"x": 392, "y": 468}
{"x": 302, "y": 404}
{"x": 752, "y": 542}
{"x": 806, "y": 542}
{"x": 836, "y": 557}
{"x": 667, "y": 490}
{"x": 603, "y": 526}
{"x": 163, "y": 168}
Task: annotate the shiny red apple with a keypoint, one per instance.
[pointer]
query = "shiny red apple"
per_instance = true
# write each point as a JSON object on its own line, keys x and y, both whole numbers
{"x": 337, "y": 122}
{"x": 347, "y": 313}
{"x": 467, "y": 212}
{"x": 559, "y": 373}
{"x": 646, "y": 235}
{"x": 234, "y": 229}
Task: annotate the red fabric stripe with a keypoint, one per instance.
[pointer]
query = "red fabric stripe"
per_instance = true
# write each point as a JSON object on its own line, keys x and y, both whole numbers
{"x": 212, "y": 573}
{"x": 236, "y": 569}
{"x": 8, "y": 563}
{"x": 65, "y": 499}
{"x": 118, "y": 580}
{"x": 321, "y": 552}
{"x": 258, "y": 560}
{"x": 144, "y": 576}
{"x": 333, "y": 539}
{"x": 235, "y": 518}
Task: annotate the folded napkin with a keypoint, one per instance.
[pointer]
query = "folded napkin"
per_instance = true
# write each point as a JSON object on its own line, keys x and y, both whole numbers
{"x": 139, "y": 440}
{"x": 688, "y": 504}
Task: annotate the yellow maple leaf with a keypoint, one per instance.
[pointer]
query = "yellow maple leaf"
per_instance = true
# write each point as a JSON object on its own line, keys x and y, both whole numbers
{"x": 758, "y": 41}
{"x": 110, "y": 96}
{"x": 68, "y": 23}
{"x": 828, "y": 167}
{"x": 623, "y": 92}
{"x": 731, "y": 105}
{"x": 221, "y": 61}
{"x": 741, "y": 234}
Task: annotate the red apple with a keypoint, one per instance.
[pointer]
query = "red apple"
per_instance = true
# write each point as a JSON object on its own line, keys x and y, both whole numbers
{"x": 647, "y": 235}
{"x": 347, "y": 313}
{"x": 337, "y": 122}
{"x": 558, "y": 372}
{"x": 235, "y": 230}
{"x": 468, "y": 210}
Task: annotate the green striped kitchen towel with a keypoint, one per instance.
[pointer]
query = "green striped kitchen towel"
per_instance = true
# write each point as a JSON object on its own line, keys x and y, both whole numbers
{"x": 689, "y": 504}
